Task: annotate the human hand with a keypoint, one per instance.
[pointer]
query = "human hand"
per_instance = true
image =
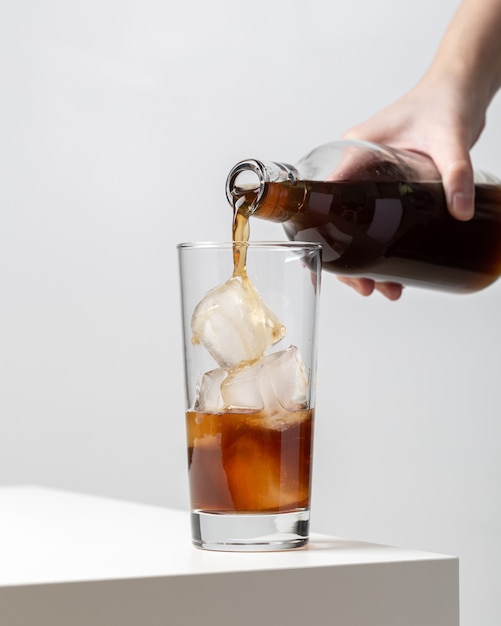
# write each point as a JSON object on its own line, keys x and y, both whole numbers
{"x": 441, "y": 117}
{"x": 444, "y": 114}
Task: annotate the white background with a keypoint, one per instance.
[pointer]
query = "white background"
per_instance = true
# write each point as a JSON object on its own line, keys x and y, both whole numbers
{"x": 119, "y": 122}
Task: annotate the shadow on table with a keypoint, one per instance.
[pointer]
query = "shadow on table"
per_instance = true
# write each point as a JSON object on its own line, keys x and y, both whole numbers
{"x": 332, "y": 543}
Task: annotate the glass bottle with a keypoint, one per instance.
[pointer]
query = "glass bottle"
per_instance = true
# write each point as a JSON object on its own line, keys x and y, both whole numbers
{"x": 379, "y": 213}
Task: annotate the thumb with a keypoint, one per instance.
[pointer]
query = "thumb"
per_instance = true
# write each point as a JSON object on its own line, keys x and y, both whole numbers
{"x": 456, "y": 170}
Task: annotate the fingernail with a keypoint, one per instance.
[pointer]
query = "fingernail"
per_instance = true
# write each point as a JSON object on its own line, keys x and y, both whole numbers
{"x": 462, "y": 205}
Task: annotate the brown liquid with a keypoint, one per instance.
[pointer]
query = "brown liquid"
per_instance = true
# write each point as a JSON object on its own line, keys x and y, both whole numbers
{"x": 239, "y": 463}
{"x": 396, "y": 231}
{"x": 240, "y": 232}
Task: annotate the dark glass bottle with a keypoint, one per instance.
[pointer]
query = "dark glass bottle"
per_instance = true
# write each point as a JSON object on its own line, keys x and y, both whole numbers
{"x": 379, "y": 213}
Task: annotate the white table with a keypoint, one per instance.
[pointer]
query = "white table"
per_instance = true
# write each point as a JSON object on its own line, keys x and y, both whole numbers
{"x": 69, "y": 559}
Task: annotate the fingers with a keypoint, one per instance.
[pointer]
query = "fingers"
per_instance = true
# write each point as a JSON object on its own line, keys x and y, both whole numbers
{"x": 363, "y": 286}
{"x": 366, "y": 286}
{"x": 392, "y": 291}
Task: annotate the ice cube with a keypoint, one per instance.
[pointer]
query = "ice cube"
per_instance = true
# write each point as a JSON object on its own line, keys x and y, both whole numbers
{"x": 276, "y": 383}
{"x": 241, "y": 390}
{"x": 283, "y": 380}
{"x": 209, "y": 398}
{"x": 234, "y": 324}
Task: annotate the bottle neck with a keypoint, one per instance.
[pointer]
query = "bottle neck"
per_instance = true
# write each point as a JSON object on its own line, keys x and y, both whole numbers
{"x": 247, "y": 182}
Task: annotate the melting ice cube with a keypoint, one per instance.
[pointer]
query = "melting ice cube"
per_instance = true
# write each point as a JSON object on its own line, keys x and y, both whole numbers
{"x": 276, "y": 382}
{"x": 234, "y": 324}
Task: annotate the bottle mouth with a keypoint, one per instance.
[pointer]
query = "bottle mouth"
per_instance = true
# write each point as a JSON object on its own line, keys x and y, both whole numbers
{"x": 246, "y": 177}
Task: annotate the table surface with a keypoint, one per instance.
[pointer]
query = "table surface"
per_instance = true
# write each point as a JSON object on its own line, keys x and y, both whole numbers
{"x": 50, "y": 536}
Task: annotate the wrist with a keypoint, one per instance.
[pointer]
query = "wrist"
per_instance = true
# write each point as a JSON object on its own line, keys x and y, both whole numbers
{"x": 470, "y": 52}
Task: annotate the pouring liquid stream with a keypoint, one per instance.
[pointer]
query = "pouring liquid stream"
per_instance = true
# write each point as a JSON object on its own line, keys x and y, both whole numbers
{"x": 242, "y": 208}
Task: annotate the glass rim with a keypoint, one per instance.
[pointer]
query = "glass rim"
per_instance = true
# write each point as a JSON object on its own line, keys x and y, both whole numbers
{"x": 280, "y": 245}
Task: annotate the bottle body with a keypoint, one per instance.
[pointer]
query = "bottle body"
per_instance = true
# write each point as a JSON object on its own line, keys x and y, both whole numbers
{"x": 387, "y": 221}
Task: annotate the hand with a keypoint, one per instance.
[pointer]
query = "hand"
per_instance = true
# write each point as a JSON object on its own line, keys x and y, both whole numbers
{"x": 442, "y": 117}
{"x": 444, "y": 114}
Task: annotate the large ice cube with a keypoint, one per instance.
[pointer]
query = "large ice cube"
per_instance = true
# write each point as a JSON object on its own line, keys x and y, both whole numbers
{"x": 274, "y": 383}
{"x": 234, "y": 324}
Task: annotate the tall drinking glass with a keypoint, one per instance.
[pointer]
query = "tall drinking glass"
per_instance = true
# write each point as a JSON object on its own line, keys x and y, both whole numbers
{"x": 250, "y": 358}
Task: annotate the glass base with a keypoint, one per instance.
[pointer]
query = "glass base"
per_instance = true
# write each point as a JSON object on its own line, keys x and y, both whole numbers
{"x": 237, "y": 532}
